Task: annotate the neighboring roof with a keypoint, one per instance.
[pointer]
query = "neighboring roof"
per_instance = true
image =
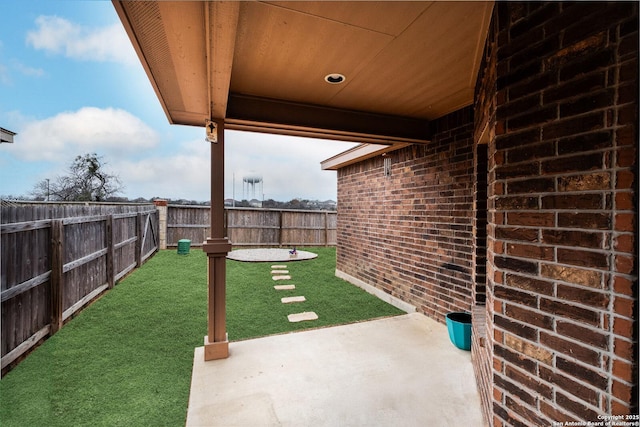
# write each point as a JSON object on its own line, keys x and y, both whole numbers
{"x": 6, "y": 135}
{"x": 261, "y": 66}
{"x": 358, "y": 154}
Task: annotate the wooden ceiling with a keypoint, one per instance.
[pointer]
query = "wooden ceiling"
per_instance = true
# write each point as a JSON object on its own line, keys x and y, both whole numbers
{"x": 261, "y": 65}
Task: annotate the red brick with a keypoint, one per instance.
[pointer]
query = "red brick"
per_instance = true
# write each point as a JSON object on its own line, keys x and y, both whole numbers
{"x": 623, "y": 348}
{"x": 528, "y": 316}
{"x": 624, "y": 307}
{"x": 624, "y": 243}
{"x": 624, "y": 179}
{"x": 529, "y": 381}
{"x": 583, "y": 258}
{"x": 585, "y": 393}
{"x": 626, "y": 157}
{"x": 590, "y": 375}
{"x": 624, "y": 264}
{"x": 623, "y": 327}
{"x": 554, "y": 413}
{"x": 626, "y": 136}
{"x": 534, "y": 219}
{"x": 576, "y": 407}
{"x": 576, "y": 350}
{"x": 621, "y": 391}
{"x": 584, "y": 296}
{"x": 570, "y": 311}
{"x": 517, "y": 233}
{"x": 579, "y": 276}
{"x": 589, "y": 336}
{"x": 585, "y": 220}
{"x": 530, "y": 251}
{"x": 625, "y": 222}
{"x": 624, "y": 201}
{"x": 576, "y": 238}
{"x": 586, "y": 182}
{"x": 620, "y": 409}
{"x": 623, "y": 370}
{"x": 622, "y": 285}
{"x": 588, "y": 201}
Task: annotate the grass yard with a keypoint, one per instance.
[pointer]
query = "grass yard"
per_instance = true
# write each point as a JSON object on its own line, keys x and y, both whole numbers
{"x": 126, "y": 360}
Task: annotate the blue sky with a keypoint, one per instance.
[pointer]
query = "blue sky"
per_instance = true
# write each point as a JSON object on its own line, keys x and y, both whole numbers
{"x": 70, "y": 84}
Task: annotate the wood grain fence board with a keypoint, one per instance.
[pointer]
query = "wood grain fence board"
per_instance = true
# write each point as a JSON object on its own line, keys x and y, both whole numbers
{"x": 24, "y": 226}
{"x": 24, "y": 346}
{"x": 57, "y": 274}
{"x": 254, "y": 226}
{"x": 25, "y": 286}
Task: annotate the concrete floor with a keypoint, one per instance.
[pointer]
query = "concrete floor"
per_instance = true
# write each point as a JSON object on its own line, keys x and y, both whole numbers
{"x": 400, "y": 371}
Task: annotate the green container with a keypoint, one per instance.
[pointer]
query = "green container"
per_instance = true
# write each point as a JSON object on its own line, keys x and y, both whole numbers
{"x": 183, "y": 246}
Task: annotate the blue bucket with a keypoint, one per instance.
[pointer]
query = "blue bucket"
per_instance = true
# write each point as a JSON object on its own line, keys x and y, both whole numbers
{"x": 459, "y": 326}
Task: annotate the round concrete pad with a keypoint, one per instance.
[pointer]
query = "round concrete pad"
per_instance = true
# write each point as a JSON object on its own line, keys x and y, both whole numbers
{"x": 269, "y": 254}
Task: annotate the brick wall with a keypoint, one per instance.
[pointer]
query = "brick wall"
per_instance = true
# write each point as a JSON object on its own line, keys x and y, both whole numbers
{"x": 410, "y": 233}
{"x": 562, "y": 273}
{"x": 485, "y": 119}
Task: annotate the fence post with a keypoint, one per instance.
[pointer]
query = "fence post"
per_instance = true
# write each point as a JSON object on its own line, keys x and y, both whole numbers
{"x": 162, "y": 207}
{"x": 139, "y": 233}
{"x": 280, "y": 229}
{"x": 110, "y": 251}
{"x": 326, "y": 229}
{"x": 57, "y": 274}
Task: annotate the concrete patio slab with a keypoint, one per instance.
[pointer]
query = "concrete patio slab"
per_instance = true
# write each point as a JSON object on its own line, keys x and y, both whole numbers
{"x": 399, "y": 371}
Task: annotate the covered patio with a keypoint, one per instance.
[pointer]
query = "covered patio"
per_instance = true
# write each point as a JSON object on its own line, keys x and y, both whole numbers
{"x": 395, "y": 371}
{"x": 497, "y": 174}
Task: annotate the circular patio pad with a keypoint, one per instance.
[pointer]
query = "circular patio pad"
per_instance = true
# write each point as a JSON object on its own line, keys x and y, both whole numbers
{"x": 269, "y": 255}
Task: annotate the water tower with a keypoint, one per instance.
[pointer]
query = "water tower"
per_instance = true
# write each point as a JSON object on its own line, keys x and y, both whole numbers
{"x": 250, "y": 182}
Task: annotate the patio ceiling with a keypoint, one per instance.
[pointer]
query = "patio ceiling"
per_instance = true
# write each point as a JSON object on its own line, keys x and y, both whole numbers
{"x": 261, "y": 66}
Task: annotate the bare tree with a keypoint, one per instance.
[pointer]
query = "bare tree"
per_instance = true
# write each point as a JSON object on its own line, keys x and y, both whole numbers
{"x": 86, "y": 180}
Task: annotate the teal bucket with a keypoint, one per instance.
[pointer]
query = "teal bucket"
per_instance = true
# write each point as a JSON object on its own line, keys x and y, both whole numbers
{"x": 459, "y": 326}
{"x": 183, "y": 246}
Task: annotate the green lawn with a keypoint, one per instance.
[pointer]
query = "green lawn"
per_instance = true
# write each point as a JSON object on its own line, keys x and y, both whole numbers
{"x": 126, "y": 360}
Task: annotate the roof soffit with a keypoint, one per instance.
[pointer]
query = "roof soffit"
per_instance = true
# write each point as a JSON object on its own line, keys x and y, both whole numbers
{"x": 411, "y": 60}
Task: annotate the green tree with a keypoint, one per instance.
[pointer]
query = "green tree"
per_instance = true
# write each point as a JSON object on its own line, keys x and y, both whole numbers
{"x": 86, "y": 180}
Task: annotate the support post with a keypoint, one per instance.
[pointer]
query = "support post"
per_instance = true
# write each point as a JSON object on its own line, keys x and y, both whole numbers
{"x": 217, "y": 246}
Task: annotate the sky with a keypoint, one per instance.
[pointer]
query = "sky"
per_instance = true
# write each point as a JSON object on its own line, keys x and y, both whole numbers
{"x": 71, "y": 84}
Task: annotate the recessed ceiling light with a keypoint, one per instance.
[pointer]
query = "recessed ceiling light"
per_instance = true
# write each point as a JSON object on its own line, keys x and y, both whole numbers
{"x": 334, "y": 78}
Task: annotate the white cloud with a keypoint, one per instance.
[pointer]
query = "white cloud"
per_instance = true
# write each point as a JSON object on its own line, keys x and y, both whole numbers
{"x": 26, "y": 70}
{"x": 184, "y": 175}
{"x": 290, "y": 167}
{"x": 59, "y": 36}
{"x": 109, "y": 131}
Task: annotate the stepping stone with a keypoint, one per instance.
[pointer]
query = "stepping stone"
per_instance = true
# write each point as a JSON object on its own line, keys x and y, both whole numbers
{"x": 279, "y": 267}
{"x": 301, "y": 317}
{"x": 281, "y": 277}
{"x": 289, "y": 300}
{"x": 284, "y": 287}
{"x": 279, "y": 271}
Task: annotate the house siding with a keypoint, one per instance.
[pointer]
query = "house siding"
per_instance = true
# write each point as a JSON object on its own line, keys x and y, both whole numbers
{"x": 553, "y": 284}
{"x": 562, "y": 212}
{"x": 409, "y": 234}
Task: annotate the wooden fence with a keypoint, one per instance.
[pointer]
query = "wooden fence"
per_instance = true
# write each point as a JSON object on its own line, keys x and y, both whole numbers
{"x": 254, "y": 226}
{"x": 54, "y": 259}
